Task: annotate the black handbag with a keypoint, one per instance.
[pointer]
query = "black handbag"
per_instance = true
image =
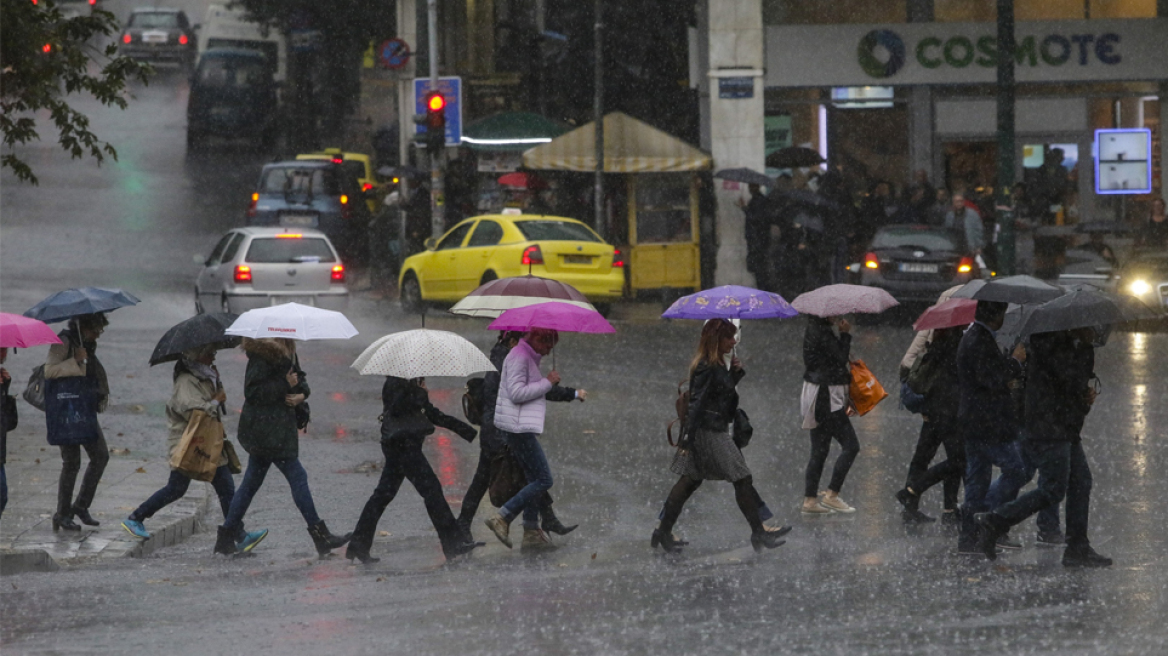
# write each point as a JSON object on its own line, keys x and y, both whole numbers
{"x": 303, "y": 415}
{"x": 743, "y": 431}
{"x": 507, "y": 478}
{"x": 9, "y": 412}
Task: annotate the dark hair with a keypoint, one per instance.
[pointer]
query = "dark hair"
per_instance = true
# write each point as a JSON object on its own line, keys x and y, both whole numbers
{"x": 712, "y": 334}
{"x": 989, "y": 311}
{"x": 92, "y": 321}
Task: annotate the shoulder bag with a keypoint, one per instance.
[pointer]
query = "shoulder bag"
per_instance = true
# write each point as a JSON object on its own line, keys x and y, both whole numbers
{"x": 197, "y": 455}
{"x": 865, "y": 390}
{"x": 34, "y": 391}
{"x": 71, "y": 411}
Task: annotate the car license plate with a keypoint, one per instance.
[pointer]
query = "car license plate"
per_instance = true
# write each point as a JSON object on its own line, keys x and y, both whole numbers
{"x": 577, "y": 259}
{"x": 154, "y": 37}
{"x": 304, "y": 220}
{"x": 916, "y": 267}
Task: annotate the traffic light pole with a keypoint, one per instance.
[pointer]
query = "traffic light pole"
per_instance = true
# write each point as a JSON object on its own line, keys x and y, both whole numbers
{"x": 436, "y": 143}
{"x": 1003, "y": 202}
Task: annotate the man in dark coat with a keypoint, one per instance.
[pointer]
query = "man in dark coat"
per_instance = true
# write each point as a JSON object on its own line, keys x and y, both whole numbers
{"x": 986, "y": 414}
{"x": 758, "y": 236}
{"x": 1058, "y": 397}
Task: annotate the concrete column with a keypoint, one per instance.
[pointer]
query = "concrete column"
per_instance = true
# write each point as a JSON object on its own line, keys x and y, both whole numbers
{"x": 736, "y": 124}
{"x": 1163, "y": 130}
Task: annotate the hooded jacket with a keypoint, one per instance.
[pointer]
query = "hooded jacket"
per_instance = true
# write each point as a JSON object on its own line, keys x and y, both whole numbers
{"x": 190, "y": 393}
{"x": 267, "y": 425}
{"x": 488, "y": 435}
{"x": 521, "y": 406}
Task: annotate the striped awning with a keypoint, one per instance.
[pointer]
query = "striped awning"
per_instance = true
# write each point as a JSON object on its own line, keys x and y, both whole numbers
{"x": 630, "y": 146}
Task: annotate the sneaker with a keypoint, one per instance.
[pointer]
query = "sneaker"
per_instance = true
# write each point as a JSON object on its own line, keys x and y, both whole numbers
{"x": 250, "y": 540}
{"x": 500, "y": 527}
{"x": 1050, "y": 539}
{"x": 535, "y": 539}
{"x": 136, "y": 529}
{"x": 813, "y": 507}
{"x": 1084, "y": 556}
{"x": 1007, "y": 542}
{"x": 835, "y": 503}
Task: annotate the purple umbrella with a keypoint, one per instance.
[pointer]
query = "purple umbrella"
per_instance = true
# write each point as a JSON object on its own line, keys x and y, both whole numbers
{"x": 730, "y": 302}
{"x": 552, "y": 315}
{"x": 838, "y": 300}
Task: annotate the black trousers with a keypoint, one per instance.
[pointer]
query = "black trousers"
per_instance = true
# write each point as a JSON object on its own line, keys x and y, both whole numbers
{"x": 935, "y": 432}
{"x": 98, "y": 453}
{"x": 836, "y": 426}
{"x": 1063, "y": 472}
{"x": 404, "y": 460}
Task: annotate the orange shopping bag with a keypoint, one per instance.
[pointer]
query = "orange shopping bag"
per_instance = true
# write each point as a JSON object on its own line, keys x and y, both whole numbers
{"x": 866, "y": 391}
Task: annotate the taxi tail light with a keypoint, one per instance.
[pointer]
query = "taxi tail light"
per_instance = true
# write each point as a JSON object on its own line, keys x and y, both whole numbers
{"x": 965, "y": 265}
{"x": 182, "y": 39}
{"x": 337, "y": 159}
{"x": 126, "y": 38}
{"x": 617, "y": 260}
{"x": 251, "y": 208}
{"x": 338, "y": 273}
{"x": 366, "y": 186}
{"x": 532, "y": 255}
{"x": 242, "y": 273}
{"x": 871, "y": 261}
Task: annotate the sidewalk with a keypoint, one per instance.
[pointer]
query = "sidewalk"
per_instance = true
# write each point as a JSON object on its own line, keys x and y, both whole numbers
{"x": 27, "y": 540}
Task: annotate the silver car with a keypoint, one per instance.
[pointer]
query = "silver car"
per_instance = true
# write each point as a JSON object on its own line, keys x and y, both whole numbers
{"x": 261, "y": 266}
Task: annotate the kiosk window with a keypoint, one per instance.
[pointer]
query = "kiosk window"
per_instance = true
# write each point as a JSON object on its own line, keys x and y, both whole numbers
{"x": 663, "y": 209}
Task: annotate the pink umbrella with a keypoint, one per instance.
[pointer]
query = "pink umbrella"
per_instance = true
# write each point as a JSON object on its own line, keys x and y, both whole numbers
{"x": 947, "y": 314}
{"x": 21, "y": 332}
{"x": 838, "y": 300}
{"x": 556, "y": 316}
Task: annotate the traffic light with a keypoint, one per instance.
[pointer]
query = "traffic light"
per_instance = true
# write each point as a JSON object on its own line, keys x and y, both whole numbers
{"x": 435, "y": 121}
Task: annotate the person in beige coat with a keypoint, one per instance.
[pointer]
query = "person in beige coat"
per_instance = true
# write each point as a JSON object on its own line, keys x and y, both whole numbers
{"x": 196, "y": 387}
{"x": 76, "y": 356}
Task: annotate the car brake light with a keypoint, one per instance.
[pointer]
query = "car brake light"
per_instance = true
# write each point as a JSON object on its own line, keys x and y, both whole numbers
{"x": 532, "y": 255}
{"x": 289, "y": 235}
{"x": 617, "y": 260}
{"x": 182, "y": 39}
{"x": 339, "y": 273}
{"x": 242, "y": 273}
{"x": 346, "y": 209}
{"x": 251, "y": 209}
{"x": 965, "y": 265}
{"x": 367, "y": 186}
{"x": 337, "y": 159}
{"x": 126, "y": 38}
{"x": 48, "y": 47}
{"x": 870, "y": 261}
{"x": 344, "y": 199}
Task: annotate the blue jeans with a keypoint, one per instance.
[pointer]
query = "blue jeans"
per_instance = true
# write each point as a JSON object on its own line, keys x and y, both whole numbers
{"x": 253, "y": 478}
{"x": 530, "y": 455}
{"x": 980, "y": 494}
{"x": 1047, "y": 519}
{"x": 177, "y": 485}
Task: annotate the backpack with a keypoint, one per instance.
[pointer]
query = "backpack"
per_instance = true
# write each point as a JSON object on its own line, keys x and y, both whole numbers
{"x": 924, "y": 373}
{"x": 680, "y": 407}
{"x": 472, "y": 401}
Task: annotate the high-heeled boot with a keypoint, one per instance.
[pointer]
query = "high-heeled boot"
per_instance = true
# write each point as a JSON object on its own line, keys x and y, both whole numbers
{"x": 552, "y": 524}
{"x": 64, "y": 522}
{"x": 767, "y": 539}
{"x": 325, "y": 542}
{"x": 225, "y": 542}
{"x": 85, "y": 517}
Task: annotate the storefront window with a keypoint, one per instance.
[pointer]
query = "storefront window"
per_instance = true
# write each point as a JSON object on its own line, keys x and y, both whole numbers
{"x": 663, "y": 208}
{"x": 1051, "y": 173}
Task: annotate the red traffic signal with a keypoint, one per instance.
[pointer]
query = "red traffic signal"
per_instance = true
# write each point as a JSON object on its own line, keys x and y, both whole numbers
{"x": 435, "y": 102}
{"x": 436, "y": 116}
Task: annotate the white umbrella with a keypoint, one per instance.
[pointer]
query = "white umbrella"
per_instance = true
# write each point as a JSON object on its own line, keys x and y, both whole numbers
{"x": 292, "y": 321}
{"x": 420, "y": 353}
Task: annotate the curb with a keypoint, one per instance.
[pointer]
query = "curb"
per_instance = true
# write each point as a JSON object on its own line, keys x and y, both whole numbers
{"x": 22, "y": 561}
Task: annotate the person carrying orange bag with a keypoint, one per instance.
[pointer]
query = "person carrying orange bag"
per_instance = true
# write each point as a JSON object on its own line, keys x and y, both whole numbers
{"x": 865, "y": 391}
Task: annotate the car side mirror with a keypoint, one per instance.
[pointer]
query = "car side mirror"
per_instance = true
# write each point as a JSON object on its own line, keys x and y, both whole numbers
{"x": 430, "y": 243}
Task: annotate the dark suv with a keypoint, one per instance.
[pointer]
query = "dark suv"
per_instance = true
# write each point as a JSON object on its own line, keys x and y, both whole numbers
{"x": 917, "y": 262}
{"x": 233, "y": 95}
{"x": 317, "y": 194}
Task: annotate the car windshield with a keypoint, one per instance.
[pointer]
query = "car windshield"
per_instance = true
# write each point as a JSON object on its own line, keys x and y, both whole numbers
{"x": 555, "y": 231}
{"x": 925, "y": 239}
{"x": 161, "y": 20}
{"x": 280, "y": 250}
{"x": 290, "y": 180}
{"x": 238, "y": 73}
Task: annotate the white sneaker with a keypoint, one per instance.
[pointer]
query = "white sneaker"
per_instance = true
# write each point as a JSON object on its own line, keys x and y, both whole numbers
{"x": 834, "y": 503}
{"x": 813, "y": 507}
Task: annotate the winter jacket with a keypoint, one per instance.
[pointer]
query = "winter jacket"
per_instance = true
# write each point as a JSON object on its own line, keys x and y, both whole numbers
{"x": 825, "y": 356}
{"x": 408, "y": 414}
{"x": 983, "y": 375}
{"x": 267, "y": 425}
{"x": 489, "y": 438}
{"x": 944, "y": 396}
{"x": 190, "y": 393}
{"x": 713, "y": 400}
{"x": 1059, "y": 373}
{"x": 61, "y": 364}
{"x": 521, "y": 405}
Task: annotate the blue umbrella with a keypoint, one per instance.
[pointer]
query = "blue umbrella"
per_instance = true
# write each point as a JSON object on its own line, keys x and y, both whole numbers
{"x": 78, "y": 301}
{"x": 730, "y": 302}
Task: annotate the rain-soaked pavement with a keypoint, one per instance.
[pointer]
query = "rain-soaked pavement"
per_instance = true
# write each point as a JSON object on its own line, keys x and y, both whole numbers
{"x": 847, "y": 585}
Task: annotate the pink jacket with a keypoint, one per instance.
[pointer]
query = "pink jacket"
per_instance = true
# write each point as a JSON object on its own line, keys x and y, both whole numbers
{"x": 520, "y": 406}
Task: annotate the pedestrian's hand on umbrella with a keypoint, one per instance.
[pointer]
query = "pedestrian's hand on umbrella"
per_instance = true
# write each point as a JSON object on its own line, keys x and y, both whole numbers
{"x": 1019, "y": 354}
{"x": 554, "y": 377}
{"x": 81, "y": 355}
{"x": 220, "y": 396}
{"x": 1092, "y": 394}
{"x": 292, "y": 378}
{"x": 844, "y": 326}
{"x": 293, "y": 400}
{"x": 735, "y": 363}
{"x": 582, "y": 395}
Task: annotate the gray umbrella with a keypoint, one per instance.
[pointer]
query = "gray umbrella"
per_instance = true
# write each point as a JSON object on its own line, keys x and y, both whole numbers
{"x": 746, "y": 176}
{"x": 1020, "y": 289}
{"x": 1085, "y": 307}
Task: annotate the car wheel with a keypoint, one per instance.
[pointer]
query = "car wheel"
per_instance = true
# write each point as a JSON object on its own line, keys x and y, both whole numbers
{"x": 603, "y": 308}
{"x": 488, "y": 277}
{"x": 198, "y": 303}
{"x": 411, "y": 294}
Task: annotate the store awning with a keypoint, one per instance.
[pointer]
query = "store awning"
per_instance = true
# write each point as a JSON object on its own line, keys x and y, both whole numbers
{"x": 630, "y": 146}
{"x": 511, "y": 131}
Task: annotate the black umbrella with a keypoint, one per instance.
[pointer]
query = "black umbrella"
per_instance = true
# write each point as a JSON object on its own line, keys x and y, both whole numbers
{"x": 1085, "y": 307}
{"x": 200, "y": 330}
{"x": 746, "y": 176}
{"x": 793, "y": 157}
{"x": 78, "y": 301}
{"x": 1020, "y": 289}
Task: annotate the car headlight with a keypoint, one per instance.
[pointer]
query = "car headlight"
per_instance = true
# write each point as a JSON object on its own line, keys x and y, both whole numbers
{"x": 1139, "y": 287}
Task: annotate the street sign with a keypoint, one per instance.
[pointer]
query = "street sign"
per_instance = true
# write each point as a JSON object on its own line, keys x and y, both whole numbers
{"x": 451, "y": 89}
{"x": 304, "y": 40}
{"x": 735, "y": 87}
{"x": 1123, "y": 161}
{"x": 393, "y": 54}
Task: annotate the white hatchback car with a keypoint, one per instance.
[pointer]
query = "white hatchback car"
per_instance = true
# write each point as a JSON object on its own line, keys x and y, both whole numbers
{"x": 260, "y": 266}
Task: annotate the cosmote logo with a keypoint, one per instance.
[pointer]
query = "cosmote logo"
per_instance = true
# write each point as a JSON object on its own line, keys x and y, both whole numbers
{"x": 881, "y": 53}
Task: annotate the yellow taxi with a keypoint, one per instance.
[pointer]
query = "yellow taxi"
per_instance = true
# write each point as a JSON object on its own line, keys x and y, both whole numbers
{"x": 359, "y": 165}
{"x": 485, "y": 248}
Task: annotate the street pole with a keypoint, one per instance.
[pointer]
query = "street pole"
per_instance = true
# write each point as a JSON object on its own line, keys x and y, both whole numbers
{"x": 598, "y": 109}
{"x": 437, "y": 158}
{"x": 1005, "y": 178}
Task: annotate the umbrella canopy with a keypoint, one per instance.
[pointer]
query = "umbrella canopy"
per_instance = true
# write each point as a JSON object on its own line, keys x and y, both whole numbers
{"x": 556, "y": 316}
{"x": 78, "y": 301}
{"x": 747, "y": 176}
{"x": 793, "y": 157}
{"x": 420, "y": 353}
{"x": 947, "y": 314}
{"x": 292, "y": 321}
{"x": 730, "y": 302}
{"x": 838, "y": 300}
{"x": 21, "y": 332}
{"x": 523, "y": 180}
{"x": 1084, "y": 307}
{"x": 498, "y": 296}
{"x": 200, "y": 330}
{"x": 1019, "y": 289}
{"x": 630, "y": 146}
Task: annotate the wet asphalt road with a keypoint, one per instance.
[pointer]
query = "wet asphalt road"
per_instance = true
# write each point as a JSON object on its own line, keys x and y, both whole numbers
{"x": 846, "y": 585}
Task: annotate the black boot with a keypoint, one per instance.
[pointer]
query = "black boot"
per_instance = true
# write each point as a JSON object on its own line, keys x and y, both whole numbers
{"x": 1082, "y": 555}
{"x": 225, "y": 542}
{"x": 991, "y": 528}
{"x": 85, "y": 517}
{"x": 767, "y": 540}
{"x": 325, "y": 542}
{"x": 65, "y": 522}
{"x": 359, "y": 552}
{"x": 461, "y": 548}
{"x": 666, "y": 541}
{"x": 552, "y": 524}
